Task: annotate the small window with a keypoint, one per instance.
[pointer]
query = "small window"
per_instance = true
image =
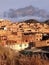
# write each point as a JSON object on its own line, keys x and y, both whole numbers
{"x": 36, "y": 39}
{"x": 15, "y": 33}
{"x": 20, "y": 45}
{"x": 25, "y": 44}
{"x": 36, "y": 30}
{"x": 26, "y": 41}
{"x": 40, "y": 39}
{"x": 20, "y": 26}
{"x": 48, "y": 42}
{"x": 40, "y": 35}
{"x": 15, "y": 41}
{"x": 21, "y": 29}
{"x": 28, "y": 30}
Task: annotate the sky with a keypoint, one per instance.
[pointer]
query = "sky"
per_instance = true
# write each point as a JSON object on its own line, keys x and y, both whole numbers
{"x": 5, "y": 5}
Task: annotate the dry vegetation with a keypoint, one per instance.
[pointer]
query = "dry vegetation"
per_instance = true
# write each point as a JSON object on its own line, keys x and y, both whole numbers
{"x": 9, "y": 57}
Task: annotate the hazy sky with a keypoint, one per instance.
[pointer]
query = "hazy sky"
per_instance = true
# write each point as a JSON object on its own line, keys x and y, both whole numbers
{"x": 7, "y": 4}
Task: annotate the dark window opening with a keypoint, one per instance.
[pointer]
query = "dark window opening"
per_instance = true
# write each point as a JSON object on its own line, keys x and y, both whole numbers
{"x": 20, "y": 26}
{"x": 26, "y": 41}
{"x": 45, "y": 37}
{"x": 40, "y": 39}
{"x": 20, "y": 45}
{"x": 31, "y": 44}
{"x": 48, "y": 42}
{"x": 7, "y": 42}
{"x": 36, "y": 39}
{"x": 1, "y": 28}
{"x": 35, "y": 30}
{"x": 3, "y": 38}
{"x": 15, "y": 41}
{"x": 15, "y": 33}
{"x": 28, "y": 30}
{"x": 21, "y": 29}
{"x": 25, "y": 44}
{"x": 28, "y": 33}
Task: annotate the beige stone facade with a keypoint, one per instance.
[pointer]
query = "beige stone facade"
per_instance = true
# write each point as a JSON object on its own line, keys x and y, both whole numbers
{"x": 21, "y": 33}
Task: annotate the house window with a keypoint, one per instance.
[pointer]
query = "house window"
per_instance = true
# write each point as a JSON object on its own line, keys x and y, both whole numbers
{"x": 48, "y": 42}
{"x": 25, "y": 44}
{"x": 20, "y": 45}
{"x": 26, "y": 41}
{"x": 15, "y": 41}
{"x": 20, "y": 26}
{"x": 28, "y": 30}
{"x": 36, "y": 30}
{"x": 36, "y": 39}
{"x": 40, "y": 35}
{"x": 15, "y": 33}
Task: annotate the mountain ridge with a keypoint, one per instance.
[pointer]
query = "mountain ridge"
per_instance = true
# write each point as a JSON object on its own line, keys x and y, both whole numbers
{"x": 27, "y": 12}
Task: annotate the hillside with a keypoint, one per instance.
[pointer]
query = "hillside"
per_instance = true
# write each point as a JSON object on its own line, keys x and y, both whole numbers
{"x": 31, "y": 21}
{"x": 9, "y": 57}
{"x": 6, "y": 56}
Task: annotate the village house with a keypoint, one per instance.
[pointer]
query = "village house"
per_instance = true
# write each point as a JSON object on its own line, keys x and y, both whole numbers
{"x": 21, "y": 35}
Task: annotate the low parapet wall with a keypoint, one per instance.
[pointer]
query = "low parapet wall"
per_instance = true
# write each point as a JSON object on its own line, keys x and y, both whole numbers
{"x": 18, "y": 47}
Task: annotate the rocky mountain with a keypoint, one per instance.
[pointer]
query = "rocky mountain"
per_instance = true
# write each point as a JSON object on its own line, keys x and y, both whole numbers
{"x": 31, "y": 21}
{"x": 27, "y": 13}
